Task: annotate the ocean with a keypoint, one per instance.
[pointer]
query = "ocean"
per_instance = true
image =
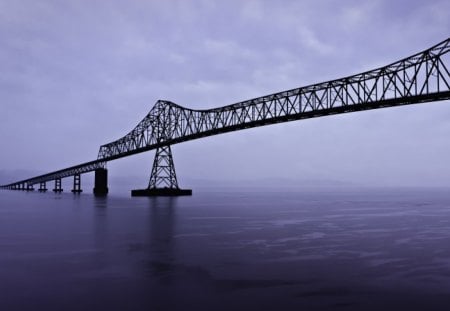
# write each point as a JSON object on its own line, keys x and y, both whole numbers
{"x": 233, "y": 249}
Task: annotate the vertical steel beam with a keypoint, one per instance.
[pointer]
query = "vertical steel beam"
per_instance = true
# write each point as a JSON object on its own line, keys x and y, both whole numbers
{"x": 163, "y": 171}
{"x": 57, "y": 185}
{"x": 77, "y": 183}
{"x": 42, "y": 186}
{"x": 163, "y": 179}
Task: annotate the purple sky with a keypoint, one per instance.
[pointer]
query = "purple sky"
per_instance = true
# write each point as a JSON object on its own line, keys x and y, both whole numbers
{"x": 78, "y": 74}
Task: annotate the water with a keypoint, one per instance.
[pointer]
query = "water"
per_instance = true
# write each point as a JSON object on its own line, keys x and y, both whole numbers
{"x": 342, "y": 249}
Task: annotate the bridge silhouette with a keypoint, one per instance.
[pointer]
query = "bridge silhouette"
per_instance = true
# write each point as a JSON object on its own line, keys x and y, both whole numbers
{"x": 421, "y": 78}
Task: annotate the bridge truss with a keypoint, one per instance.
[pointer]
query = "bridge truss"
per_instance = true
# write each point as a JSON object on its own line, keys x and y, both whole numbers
{"x": 420, "y": 78}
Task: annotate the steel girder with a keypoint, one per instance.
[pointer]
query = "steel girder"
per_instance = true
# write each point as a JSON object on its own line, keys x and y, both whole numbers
{"x": 420, "y": 78}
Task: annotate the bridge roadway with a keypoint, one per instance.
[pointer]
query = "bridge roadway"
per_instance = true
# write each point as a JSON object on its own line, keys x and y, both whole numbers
{"x": 420, "y": 78}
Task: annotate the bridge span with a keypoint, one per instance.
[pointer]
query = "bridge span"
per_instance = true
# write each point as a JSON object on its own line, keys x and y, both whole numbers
{"x": 421, "y": 78}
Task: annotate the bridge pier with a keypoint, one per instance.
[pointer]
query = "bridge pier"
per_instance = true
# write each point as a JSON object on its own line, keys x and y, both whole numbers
{"x": 77, "y": 184}
{"x": 163, "y": 179}
{"x": 30, "y": 187}
{"x": 42, "y": 187}
{"x": 57, "y": 185}
{"x": 101, "y": 182}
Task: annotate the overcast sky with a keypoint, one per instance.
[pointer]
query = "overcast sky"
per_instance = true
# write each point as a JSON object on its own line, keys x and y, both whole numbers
{"x": 77, "y": 74}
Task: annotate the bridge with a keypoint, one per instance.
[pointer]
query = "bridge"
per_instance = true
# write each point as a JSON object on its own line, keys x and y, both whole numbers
{"x": 421, "y": 78}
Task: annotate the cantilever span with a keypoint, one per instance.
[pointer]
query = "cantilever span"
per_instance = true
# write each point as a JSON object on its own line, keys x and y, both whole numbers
{"x": 420, "y": 78}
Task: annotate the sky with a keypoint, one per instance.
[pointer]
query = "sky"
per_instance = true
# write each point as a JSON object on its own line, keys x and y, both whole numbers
{"x": 79, "y": 74}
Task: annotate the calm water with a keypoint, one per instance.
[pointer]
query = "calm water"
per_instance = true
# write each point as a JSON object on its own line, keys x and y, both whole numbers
{"x": 256, "y": 250}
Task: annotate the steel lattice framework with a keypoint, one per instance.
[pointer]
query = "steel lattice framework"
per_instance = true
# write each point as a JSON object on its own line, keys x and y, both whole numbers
{"x": 163, "y": 171}
{"x": 420, "y": 78}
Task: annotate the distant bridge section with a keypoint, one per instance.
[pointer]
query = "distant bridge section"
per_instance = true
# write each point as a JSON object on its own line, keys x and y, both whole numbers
{"x": 420, "y": 78}
{"x": 76, "y": 171}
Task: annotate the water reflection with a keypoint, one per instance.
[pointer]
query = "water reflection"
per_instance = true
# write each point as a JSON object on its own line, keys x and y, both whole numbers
{"x": 100, "y": 201}
{"x": 101, "y": 232}
{"x": 162, "y": 243}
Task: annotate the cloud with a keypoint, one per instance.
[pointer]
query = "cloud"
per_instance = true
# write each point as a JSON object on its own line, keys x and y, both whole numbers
{"x": 77, "y": 74}
{"x": 310, "y": 40}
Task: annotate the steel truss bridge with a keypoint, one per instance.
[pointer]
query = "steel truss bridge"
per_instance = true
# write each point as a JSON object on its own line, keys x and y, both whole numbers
{"x": 420, "y": 78}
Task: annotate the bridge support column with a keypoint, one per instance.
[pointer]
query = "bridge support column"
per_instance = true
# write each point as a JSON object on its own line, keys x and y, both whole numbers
{"x": 30, "y": 187}
{"x": 101, "y": 182}
{"x": 163, "y": 179}
{"x": 57, "y": 185}
{"x": 42, "y": 186}
{"x": 22, "y": 186}
{"x": 77, "y": 184}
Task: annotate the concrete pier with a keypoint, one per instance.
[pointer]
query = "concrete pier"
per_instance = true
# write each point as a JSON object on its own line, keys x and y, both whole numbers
{"x": 101, "y": 182}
